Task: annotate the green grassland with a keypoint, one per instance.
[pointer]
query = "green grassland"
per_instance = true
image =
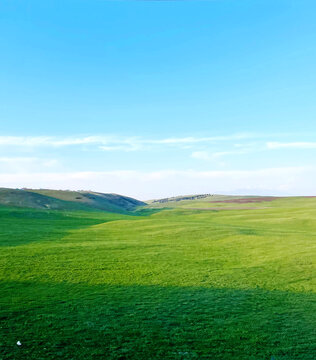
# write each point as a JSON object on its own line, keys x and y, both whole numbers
{"x": 169, "y": 281}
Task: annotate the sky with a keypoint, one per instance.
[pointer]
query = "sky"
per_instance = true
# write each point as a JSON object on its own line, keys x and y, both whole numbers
{"x": 159, "y": 98}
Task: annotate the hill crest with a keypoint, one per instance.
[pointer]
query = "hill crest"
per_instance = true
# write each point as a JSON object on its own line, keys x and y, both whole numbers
{"x": 67, "y": 200}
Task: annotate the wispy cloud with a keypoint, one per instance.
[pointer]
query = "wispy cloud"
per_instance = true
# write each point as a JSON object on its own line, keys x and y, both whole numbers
{"x": 291, "y": 145}
{"x": 112, "y": 143}
{"x": 17, "y": 164}
{"x": 10, "y": 160}
{"x": 194, "y": 140}
{"x": 201, "y": 155}
{"x": 35, "y": 141}
{"x": 121, "y": 143}
{"x": 208, "y": 156}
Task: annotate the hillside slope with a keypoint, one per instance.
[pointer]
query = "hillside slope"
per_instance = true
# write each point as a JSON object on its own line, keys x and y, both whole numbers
{"x": 67, "y": 200}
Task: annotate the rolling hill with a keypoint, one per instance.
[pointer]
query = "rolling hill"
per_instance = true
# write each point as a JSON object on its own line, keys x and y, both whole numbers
{"x": 67, "y": 200}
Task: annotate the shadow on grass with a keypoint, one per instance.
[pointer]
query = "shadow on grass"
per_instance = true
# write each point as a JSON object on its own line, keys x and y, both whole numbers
{"x": 20, "y": 226}
{"x": 23, "y": 226}
{"x": 73, "y": 321}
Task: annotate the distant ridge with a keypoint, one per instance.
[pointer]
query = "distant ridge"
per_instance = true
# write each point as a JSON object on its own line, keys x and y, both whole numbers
{"x": 208, "y": 197}
{"x": 180, "y": 198}
{"x": 207, "y": 201}
{"x": 67, "y": 200}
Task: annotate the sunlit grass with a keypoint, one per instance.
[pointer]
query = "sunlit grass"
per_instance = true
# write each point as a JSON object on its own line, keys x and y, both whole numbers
{"x": 176, "y": 284}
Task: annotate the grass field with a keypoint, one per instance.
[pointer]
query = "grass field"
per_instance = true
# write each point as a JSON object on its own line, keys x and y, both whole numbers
{"x": 182, "y": 282}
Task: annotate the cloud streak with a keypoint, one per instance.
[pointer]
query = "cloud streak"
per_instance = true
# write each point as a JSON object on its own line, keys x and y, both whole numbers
{"x": 291, "y": 145}
{"x": 207, "y": 156}
{"x": 18, "y": 164}
{"x": 112, "y": 143}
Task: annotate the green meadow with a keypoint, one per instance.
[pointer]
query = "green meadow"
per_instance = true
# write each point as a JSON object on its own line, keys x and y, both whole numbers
{"x": 169, "y": 281}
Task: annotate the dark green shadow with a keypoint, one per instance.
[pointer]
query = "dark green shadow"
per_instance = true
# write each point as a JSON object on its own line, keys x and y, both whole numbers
{"x": 76, "y": 321}
{"x": 24, "y": 226}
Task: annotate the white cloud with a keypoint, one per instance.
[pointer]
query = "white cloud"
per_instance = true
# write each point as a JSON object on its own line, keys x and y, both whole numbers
{"x": 205, "y": 155}
{"x": 124, "y": 147}
{"x": 194, "y": 140}
{"x": 35, "y": 141}
{"x": 291, "y": 145}
{"x": 110, "y": 142}
{"x": 27, "y": 164}
{"x": 10, "y": 160}
{"x": 119, "y": 143}
{"x": 201, "y": 155}
{"x": 146, "y": 185}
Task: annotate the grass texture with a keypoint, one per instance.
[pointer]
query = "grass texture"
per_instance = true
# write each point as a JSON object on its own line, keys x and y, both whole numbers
{"x": 174, "y": 283}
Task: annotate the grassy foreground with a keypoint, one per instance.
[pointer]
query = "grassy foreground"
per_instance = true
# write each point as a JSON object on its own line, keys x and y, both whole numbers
{"x": 179, "y": 283}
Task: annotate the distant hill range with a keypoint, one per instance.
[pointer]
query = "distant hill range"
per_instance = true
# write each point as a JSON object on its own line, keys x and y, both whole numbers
{"x": 67, "y": 200}
{"x": 180, "y": 198}
{"x": 204, "y": 199}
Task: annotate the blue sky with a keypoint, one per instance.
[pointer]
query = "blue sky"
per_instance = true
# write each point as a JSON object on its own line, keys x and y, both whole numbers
{"x": 159, "y": 98}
